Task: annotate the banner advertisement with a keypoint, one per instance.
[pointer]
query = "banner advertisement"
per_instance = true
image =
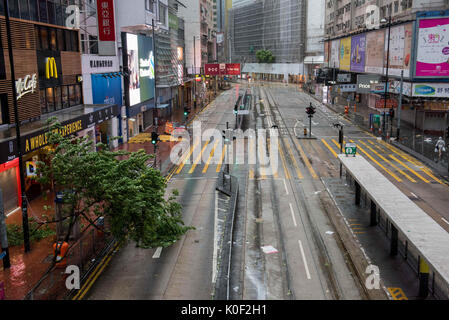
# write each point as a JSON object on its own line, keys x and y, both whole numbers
{"x": 358, "y": 47}
{"x": 215, "y": 69}
{"x": 345, "y": 54}
{"x": 106, "y": 27}
{"x": 432, "y": 57}
{"x": 140, "y": 67}
{"x": 106, "y": 90}
{"x": 395, "y": 87}
{"x": 233, "y": 69}
{"x": 327, "y": 45}
{"x": 434, "y": 90}
{"x": 212, "y": 69}
{"x": 375, "y": 41}
{"x": 335, "y": 54}
{"x": 400, "y": 50}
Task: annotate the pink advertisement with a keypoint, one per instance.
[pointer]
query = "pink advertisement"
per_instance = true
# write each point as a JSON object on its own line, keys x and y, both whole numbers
{"x": 432, "y": 57}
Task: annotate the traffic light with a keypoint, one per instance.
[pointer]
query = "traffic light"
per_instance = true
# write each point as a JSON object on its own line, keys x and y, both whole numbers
{"x": 236, "y": 109}
{"x": 392, "y": 113}
{"x": 154, "y": 138}
{"x": 186, "y": 112}
{"x": 310, "y": 110}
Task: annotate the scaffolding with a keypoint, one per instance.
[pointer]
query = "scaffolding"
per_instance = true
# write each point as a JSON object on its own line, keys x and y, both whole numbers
{"x": 275, "y": 25}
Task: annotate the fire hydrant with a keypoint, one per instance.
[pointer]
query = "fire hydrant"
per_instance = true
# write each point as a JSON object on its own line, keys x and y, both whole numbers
{"x": 346, "y": 109}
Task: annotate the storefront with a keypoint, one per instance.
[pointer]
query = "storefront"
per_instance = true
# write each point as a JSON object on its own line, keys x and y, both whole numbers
{"x": 98, "y": 122}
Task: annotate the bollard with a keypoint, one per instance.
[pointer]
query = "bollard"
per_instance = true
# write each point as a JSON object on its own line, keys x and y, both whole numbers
{"x": 305, "y": 132}
{"x": 423, "y": 279}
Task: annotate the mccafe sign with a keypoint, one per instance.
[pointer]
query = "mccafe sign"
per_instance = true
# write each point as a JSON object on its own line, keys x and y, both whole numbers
{"x": 26, "y": 85}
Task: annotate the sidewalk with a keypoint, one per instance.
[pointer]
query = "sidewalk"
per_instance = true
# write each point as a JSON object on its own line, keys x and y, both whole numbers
{"x": 27, "y": 268}
{"x": 412, "y": 141}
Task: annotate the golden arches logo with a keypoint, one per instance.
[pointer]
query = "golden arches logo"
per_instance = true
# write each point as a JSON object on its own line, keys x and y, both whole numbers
{"x": 51, "y": 70}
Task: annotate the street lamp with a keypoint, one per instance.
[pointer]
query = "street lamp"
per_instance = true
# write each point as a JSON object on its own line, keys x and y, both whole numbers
{"x": 386, "y": 73}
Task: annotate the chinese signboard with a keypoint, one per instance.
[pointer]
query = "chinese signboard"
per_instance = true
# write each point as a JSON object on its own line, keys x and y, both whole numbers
{"x": 215, "y": 69}
{"x": 345, "y": 54}
{"x": 106, "y": 27}
{"x": 391, "y": 103}
{"x": 358, "y": 47}
{"x": 432, "y": 57}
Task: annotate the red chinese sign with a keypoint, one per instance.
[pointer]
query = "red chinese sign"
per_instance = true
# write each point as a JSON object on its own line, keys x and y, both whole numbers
{"x": 215, "y": 69}
{"x": 105, "y": 13}
{"x": 391, "y": 103}
{"x": 233, "y": 69}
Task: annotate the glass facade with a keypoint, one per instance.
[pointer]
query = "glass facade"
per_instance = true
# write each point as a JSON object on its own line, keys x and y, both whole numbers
{"x": 47, "y": 11}
{"x": 56, "y": 39}
{"x": 57, "y": 98}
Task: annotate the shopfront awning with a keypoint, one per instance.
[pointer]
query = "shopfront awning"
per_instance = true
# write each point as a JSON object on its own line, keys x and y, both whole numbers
{"x": 314, "y": 60}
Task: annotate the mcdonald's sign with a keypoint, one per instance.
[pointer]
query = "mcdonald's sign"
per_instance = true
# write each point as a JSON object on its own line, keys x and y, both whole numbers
{"x": 51, "y": 69}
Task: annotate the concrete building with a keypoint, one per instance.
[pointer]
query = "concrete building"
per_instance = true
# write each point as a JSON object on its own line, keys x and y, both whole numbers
{"x": 314, "y": 52}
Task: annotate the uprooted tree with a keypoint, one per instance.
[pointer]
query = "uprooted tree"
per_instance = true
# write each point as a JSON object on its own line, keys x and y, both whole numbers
{"x": 117, "y": 186}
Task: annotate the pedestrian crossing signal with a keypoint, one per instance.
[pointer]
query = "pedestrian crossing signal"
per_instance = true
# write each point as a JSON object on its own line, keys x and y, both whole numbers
{"x": 154, "y": 137}
{"x": 186, "y": 112}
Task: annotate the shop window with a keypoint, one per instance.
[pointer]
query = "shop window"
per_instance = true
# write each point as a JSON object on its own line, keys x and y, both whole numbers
{"x": 43, "y": 15}
{"x": 14, "y": 8}
{"x": 44, "y": 38}
{"x": 78, "y": 94}
{"x": 43, "y": 101}
{"x": 51, "y": 12}
{"x": 24, "y": 12}
{"x": 4, "y": 108}
{"x": 33, "y": 11}
{"x": 75, "y": 41}
{"x": 61, "y": 42}
{"x": 72, "y": 96}
{"x": 38, "y": 38}
{"x": 58, "y": 98}
{"x": 53, "y": 42}
{"x": 65, "y": 97}
{"x": 68, "y": 40}
{"x": 50, "y": 97}
{"x": 93, "y": 44}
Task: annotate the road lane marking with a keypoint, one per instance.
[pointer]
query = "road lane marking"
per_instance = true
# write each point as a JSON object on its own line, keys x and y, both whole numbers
{"x": 215, "y": 253}
{"x": 284, "y": 162}
{"x": 377, "y": 162}
{"x": 206, "y": 167}
{"x": 306, "y": 160}
{"x": 397, "y": 294}
{"x": 223, "y": 153}
{"x": 410, "y": 169}
{"x": 157, "y": 253}
{"x": 295, "y": 163}
{"x": 285, "y": 185}
{"x": 305, "y": 260}
{"x": 198, "y": 159}
{"x": 388, "y": 161}
{"x": 184, "y": 161}
{"x": 414, "y": 195}
{"x": 329, "y": 147}
{"x": 445, "y": 220}
{"x": 293, "y": 215}
{"x": 273, "y": 169}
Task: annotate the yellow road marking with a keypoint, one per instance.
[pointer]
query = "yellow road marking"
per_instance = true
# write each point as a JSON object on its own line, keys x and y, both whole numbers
{"x": 306, "y": 160}
{"x": 329, "y": 147}
{"x": 397, "y": 294}
{"x": 284, "y": 162}
{"x": 251, "y": 174}
{"x": 295, "y": 163}
{"x": 388, "y": 161}
{"x": 223, "y": 153}
{"x": 198, "y": 159}
{"x": 410, "y": 169}
{"x": 377, "y": 162}
{"x": 206, "y": 167}
{"x": 183, "y": 163}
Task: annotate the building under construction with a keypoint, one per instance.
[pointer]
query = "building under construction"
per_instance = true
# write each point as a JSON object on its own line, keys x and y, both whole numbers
{"x": 275, "y": 25}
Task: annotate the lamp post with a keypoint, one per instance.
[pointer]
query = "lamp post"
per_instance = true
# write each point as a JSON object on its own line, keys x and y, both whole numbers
{"x": 386, "y": 74}
{"x": 26, "y": 230}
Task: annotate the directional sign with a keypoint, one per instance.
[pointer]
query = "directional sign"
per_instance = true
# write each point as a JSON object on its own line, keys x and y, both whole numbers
{"x": 351, "y": 149}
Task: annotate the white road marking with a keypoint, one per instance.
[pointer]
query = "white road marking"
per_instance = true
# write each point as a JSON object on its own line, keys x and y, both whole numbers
{"x": 286, "y": 189}
{"x": 214, "y": 256}
{"x": 305, "y": 261}
{"x": 414, "y": 195}
{"x": 157, "y": 253}
{"x": 293, "y": 215}
{"x": 445, "y": 220}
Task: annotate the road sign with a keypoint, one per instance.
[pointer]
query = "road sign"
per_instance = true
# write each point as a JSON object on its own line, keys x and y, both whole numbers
{"x": 243, "y": 112}
{"x": 351, "y": 149}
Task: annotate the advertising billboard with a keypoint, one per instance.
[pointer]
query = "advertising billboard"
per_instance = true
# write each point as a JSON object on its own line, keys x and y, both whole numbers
{"x": 358, "y": 47}
{"x": 375, "y": 43}
{"x": 345, "y": 54}
{"x": 334, "y": 61}
{"x": 432, "y": 52}
{"x": 106, "y": 27}
{"x": 400, "y": 50}
{"x": 215, "y": 69}
{"x": 140, "y": 61}
{"x": 434, "y": 90}
{"x": 106, "y": 90}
